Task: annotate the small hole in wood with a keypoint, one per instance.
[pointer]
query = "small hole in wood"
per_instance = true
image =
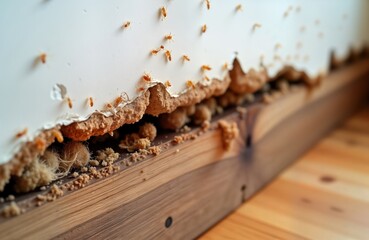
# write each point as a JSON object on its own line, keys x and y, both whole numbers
{"x": 248, "y": 141}
{"x": 327, "y": 179}
{"x": 168, "y": 222}
{"x": 243, "y": 191}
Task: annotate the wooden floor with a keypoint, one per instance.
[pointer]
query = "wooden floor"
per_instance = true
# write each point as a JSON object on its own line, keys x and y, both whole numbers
{"x": 324, "y": 195}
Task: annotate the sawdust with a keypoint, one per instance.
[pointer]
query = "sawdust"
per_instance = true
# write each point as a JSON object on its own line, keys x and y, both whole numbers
{"x": 132, "y": 142}
{"x": 108, "y": 155}
{"x": 11, "y": 210}
{"x": 148, "y": 130}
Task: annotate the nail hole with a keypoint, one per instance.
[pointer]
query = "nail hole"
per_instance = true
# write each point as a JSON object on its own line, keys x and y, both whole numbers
{"x": 168, "y": 222}
{"x": 248, "y": 141}
{"x": 327, "y": 179}
{"x": 336, "y": 209}
{"x": 243, "y": 191}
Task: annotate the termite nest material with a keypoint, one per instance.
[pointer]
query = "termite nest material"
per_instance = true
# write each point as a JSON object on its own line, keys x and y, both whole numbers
{"x": 196, "y": 106}
{"x": 74, "y": 155}
{"x": 38, "y": 173}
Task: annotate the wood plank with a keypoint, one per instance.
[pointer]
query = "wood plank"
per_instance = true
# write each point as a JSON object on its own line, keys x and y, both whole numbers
{"x": 273, "y": 115}
{"x": 301, "y": 202}
{"x": 197, "y": 183}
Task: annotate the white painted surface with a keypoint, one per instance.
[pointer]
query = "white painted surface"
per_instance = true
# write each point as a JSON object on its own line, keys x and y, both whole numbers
{"x": 89, "y": 53}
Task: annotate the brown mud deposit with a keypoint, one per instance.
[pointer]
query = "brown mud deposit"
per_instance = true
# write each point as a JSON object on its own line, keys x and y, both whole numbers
{"x": 196, "y": 105}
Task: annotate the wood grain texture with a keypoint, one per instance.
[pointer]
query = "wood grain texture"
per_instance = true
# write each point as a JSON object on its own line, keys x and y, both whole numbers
{"x": 324, "y": 195}
{"x": 197, "y": 183}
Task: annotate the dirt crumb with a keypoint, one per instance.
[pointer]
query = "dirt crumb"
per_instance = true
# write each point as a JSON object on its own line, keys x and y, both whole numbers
{"x": 133, "y": 142}
{"x": 148, "y": 130}
{"x": 184, "y": 129}
{"x": 10, "y": 197}
{"x": 174, "y": 120}
{"x": 227, "y": 99}
{"x": 55, "y": 191}
{"x": 94, "y": 163}
{"x": 190, "y": 110}
{"x": 205, "y": 126}
{"x": 229, "y": 133}
{"x": 154, "y": 150}
{"x": 202, "y": 114}
{"x": 135, "y": 157}
{"x": 211, "y": 103}
{"x": 11, "y": 210}
{"x": 108, "y": 155}
{"x": 184, "y": 137}
{"x": 267, "y": 98}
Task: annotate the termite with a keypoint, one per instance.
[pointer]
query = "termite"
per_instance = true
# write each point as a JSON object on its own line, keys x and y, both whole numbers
{"x": 204, "y": 28}
{"x": 207, "y": 4}
{"x": 278, "y": 46}
{"x": 163, "y": 12}
{"x": 118, "y": 101}
{"x": 167, "y": 84}
{"x": 168, "y": 37}
{"x": 21, "y": 133}
{"x": 108, "y": 106}
{"x": 225, "y": 66}
{"x": 206, "y": 78}
{"x": 190, "y": 84}
{"x": 59, "y": 137}
{"x": 205, "y": 68}
{"x": 126, "y": 24}
{"x": 43, "y": 58}
{"x": 155, "y": 51}
{"x": 146, "y": 77}
{"x": 256, "y": 26}
{"x": 239, "y": 7}
{"x": 168, "y": 55}
{"x": 140, "y": 89}
{"x": 185, "y": 58}
{"x": 91, "y": 101}
{"x": 70, "y": 104}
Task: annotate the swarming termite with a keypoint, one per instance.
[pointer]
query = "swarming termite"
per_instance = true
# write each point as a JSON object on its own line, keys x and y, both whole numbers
{"x": 185, "y": 58}
{"x": 146, "y": 77}
{"x": 21, "y": 133}
{"x": 163, "y": 12}
{"x": 168, "y": 55}
{"x": 205, "y": 68}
